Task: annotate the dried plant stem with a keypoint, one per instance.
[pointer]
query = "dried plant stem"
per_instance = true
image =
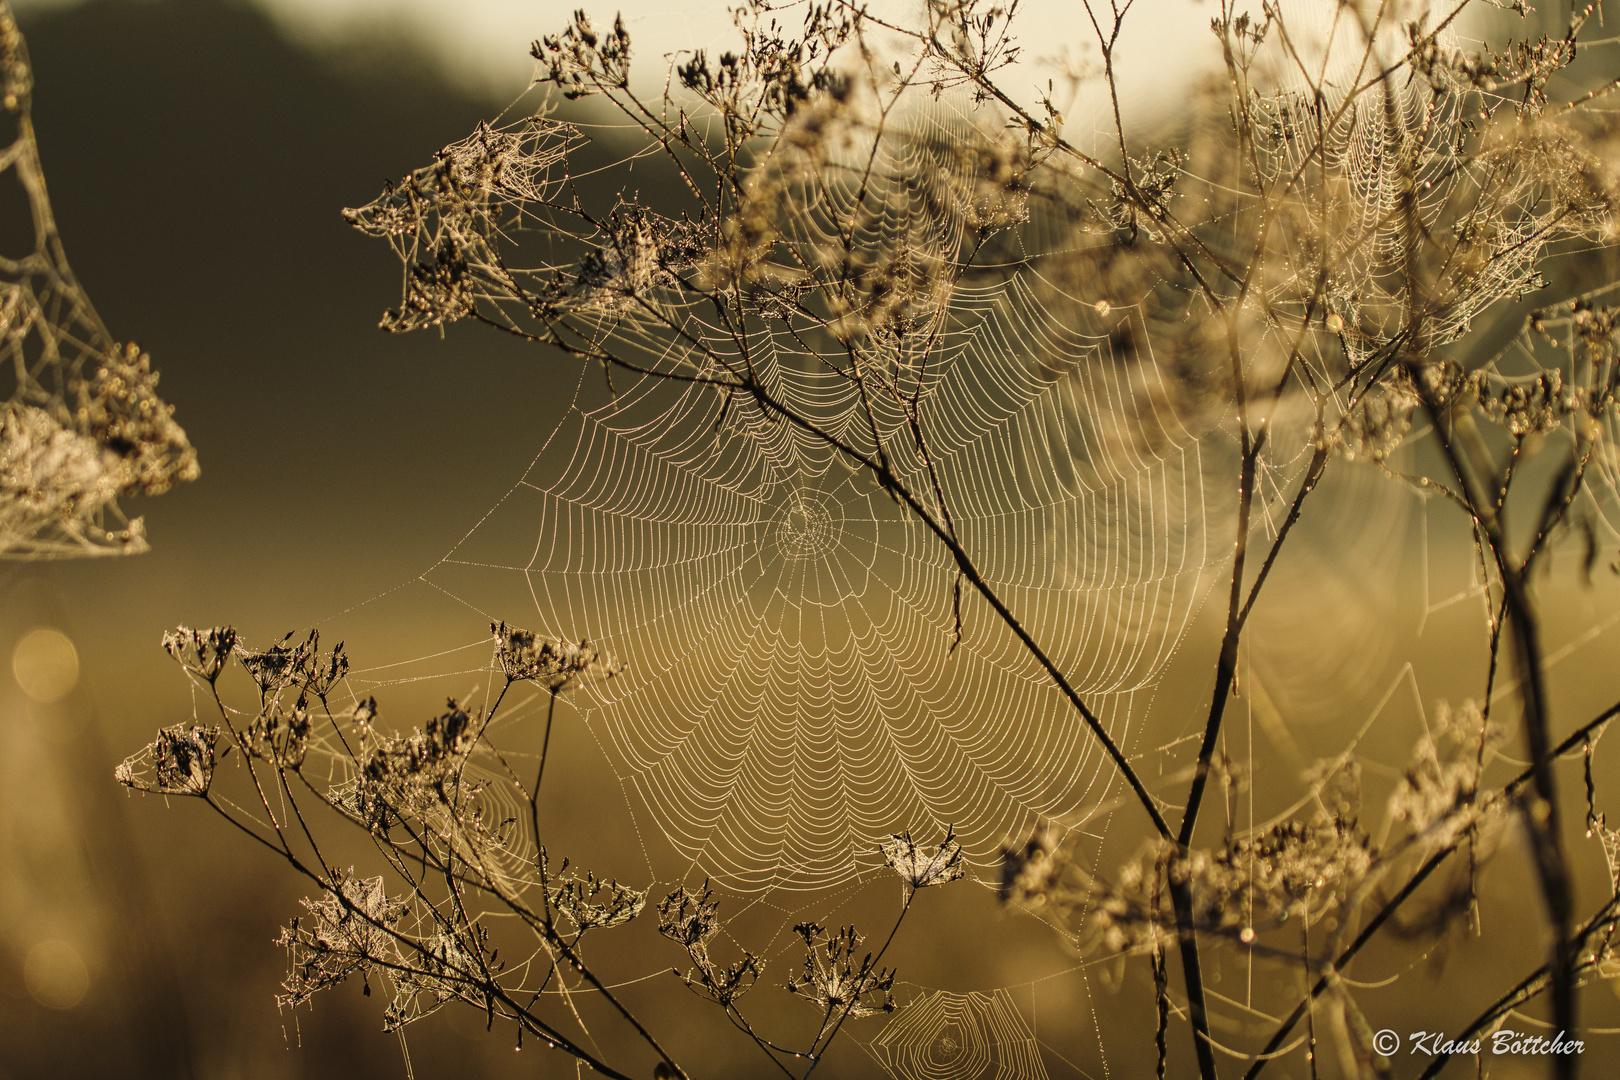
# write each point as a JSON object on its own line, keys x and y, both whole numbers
{"x": 1412, "y": 884}
{"x": 1531, "y": 987}
{"x": 869, "y": 964}
{"x": 1541, "y": 810}
{"x": 540, "y": 773}
{"x": 1225, "y": 671}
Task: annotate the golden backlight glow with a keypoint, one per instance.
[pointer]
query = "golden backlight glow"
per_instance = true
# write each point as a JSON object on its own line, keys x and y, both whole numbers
{"x": 46, "y": 665}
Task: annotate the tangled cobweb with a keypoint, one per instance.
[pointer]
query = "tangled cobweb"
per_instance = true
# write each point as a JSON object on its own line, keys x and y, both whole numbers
{"x": 83, "y": 427}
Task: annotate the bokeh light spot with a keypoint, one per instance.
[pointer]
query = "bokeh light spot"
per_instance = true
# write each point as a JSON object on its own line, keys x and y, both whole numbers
{"x": 46, "y": 665}
{"x": 56, "y": 975}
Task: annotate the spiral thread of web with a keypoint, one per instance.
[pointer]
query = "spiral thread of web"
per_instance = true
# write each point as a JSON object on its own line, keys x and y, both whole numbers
{"x": 946, "y": 1036}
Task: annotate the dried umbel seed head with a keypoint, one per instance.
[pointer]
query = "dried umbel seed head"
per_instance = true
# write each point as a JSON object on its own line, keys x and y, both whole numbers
{"x": 180, "y": 761}
{"x": 277, "y": 667}
{"x": 470, "y": 183}
{"x": 121, "y": 410}
{"x": 201, "y": 652}
{"x": 322, "y": 672}
{"x": 1029, "y": 871}
{"x": 451, "y": 732}
{"x": 918, "y": 867}
{"x": 347, "y": 932}
{"x": 633, "y": 254}
{"x": 989, "y": 180}
{"x": 724, "y": 984}
{"x": 687, "y": 918}
{"x": 424, "y": 756}
{"x": 440, "y": 287}
{"x": 582, "y": 62}
{"x": 549, "y": 662}
{"x": 49, "y": 474}
{"x": 834, "y": 980}
{"x": 690, "y": 920}
{"x": 589, "y": 902}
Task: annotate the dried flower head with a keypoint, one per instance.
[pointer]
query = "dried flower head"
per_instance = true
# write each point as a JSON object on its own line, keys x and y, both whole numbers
{"x": 440, "y": 288}
{"x": 1030, "y": 872}
{"x": 591, "y": 902}
{"x": 425, "y": 756}
{"x": 202, "y": 653}
{"x": 347, "y": 931}
{"x": 688, "y": 918}
{"x": 582, "y": 62}
{"x": 634, "y": 253}
{"x": 180, "y": 761}
{"x": 323, "y": 671}
{"x": 919, "y": 868}
{"x": 549, "y": 662}
{"x": 120, "y": 410}
{"x": 49, "y": 473}
{"x": 724, "y": 984}
{"x": 274, "y": 668}
{"x": 1295, "y": 867}
{"x": 835, "y": 981}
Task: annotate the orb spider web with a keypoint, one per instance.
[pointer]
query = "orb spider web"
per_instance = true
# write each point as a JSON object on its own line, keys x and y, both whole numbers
{"x": 802, "y": 680}
{"x": 798, "y": 684}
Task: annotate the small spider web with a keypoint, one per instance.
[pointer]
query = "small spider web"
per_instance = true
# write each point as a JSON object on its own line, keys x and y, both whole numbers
{"x": 946, "y": 1036}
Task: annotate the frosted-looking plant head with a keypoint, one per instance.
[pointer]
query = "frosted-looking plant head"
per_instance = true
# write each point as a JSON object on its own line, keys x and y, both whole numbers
{"x": 343, "y": 934}
{"x": 180, "y": 761}
{"x": 835, "y": 981}
{"x": 589, "y": 902}
{"x": 83, "y": 426}
{"x": 553, "y": 664}
{"x": 917, "y": 867}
